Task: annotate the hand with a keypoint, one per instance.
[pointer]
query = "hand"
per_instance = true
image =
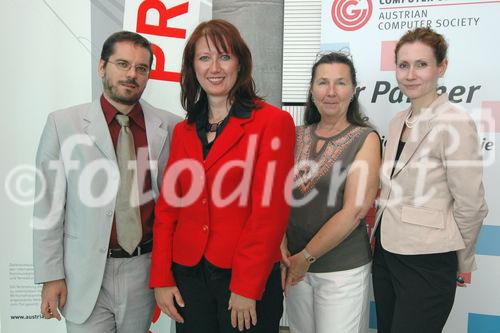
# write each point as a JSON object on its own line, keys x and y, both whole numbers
{"x": 285, "y": 262}
{"x": 242, "y": 311}
{"x": 460, "y": 280}
{"x": 54, "y": 295}
{"x": 165, "y": 299}
{"x": 296, "y": 270}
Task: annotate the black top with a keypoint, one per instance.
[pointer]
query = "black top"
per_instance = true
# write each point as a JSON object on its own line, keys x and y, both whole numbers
{"x": 201, "y": 120}
{"x": 401, "y": 145}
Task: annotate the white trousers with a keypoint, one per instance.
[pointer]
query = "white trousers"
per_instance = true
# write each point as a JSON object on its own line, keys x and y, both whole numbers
{"x": 125, "y": 303}
{"x": 335, "y": 302}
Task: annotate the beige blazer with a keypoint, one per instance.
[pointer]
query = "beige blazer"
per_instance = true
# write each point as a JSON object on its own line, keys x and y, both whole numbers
{"x": 71, "y": 228}
{"x": 434, "y": 200}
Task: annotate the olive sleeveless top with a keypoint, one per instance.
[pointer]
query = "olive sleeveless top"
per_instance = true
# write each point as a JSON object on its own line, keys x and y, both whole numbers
{"x": 320, "y": 179}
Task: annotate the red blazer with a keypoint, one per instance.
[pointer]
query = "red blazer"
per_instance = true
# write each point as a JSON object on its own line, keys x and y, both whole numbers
{"x": 240, "y": 232}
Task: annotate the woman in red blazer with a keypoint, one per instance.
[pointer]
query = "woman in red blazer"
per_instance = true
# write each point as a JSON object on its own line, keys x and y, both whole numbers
{"x": 223, "y": 209}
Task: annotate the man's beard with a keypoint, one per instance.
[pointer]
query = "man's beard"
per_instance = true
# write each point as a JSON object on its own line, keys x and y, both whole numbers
{"x": 113, "y": 93}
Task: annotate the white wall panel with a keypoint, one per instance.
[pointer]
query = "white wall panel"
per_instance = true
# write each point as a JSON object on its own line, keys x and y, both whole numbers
{"x": 301, "y": 40}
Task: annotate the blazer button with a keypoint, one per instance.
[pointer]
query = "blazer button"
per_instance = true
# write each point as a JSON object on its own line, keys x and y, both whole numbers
{"x": 109, "y": 212}
{"x": 205, "y": 228}
{"x": 204, "y": 201}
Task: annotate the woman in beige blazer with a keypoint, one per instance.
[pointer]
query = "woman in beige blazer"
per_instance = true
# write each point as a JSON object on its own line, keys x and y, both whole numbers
{"x": 432, "y": 200}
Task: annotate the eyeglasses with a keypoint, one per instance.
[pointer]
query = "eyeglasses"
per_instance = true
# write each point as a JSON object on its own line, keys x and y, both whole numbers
{"x": 126, "y": 66}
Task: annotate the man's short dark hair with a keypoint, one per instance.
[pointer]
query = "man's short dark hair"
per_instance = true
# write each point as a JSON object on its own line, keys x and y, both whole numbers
{"x": 125, "y": 36}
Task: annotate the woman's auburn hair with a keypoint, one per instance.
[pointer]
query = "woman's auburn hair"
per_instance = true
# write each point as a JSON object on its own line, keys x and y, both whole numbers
{"x": 425, "y": 36}
{"x": 226, "y": 39}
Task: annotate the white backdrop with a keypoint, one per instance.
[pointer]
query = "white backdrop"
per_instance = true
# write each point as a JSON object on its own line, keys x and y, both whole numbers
{"x": 368, "y": 29}
{"x": 46, "y": 65}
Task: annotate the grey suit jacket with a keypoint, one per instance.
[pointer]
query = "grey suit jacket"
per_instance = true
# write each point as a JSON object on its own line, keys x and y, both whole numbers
{"x": 77, "y": 184}
{"x": 434, "y": 201}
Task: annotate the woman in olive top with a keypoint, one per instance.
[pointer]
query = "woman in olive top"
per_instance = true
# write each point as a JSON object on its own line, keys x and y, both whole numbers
{"x": 326, "y": 248}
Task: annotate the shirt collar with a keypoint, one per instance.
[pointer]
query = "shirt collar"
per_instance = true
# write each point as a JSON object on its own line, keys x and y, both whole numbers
{"x": 136, "y": 114}
{"x": 239, "y": 111}
{"x": 201, "y": 110}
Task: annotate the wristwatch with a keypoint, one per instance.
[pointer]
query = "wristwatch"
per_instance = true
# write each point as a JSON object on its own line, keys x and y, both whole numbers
{"x": 309, "y": 258}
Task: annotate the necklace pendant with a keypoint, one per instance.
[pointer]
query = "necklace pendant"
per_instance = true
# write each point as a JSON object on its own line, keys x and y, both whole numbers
{"x": 410, "y": 123}
{"x": 212, "y": 127}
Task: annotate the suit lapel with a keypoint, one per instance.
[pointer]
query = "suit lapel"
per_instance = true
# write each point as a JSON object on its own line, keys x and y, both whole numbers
{"x": 192, "y": 143}
{"x": 156, "y": 131}
{"x": 229, "y": 137}
{"x": 97, "y": 128}
{"x": 419, "y": 132}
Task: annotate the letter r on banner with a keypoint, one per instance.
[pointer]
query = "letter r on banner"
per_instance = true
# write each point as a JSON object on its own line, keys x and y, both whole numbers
{"x": 162, "y": 29}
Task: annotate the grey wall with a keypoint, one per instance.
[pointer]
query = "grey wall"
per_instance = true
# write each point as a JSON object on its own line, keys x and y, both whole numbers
{"x": 261, "y": 25}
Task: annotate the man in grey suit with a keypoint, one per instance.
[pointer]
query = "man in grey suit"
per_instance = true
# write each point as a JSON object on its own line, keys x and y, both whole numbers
{"x": 102, "y": 165}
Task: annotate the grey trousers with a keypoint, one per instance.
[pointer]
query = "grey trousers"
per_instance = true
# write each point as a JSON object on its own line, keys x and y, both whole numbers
{"x": 125, "y": 303}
